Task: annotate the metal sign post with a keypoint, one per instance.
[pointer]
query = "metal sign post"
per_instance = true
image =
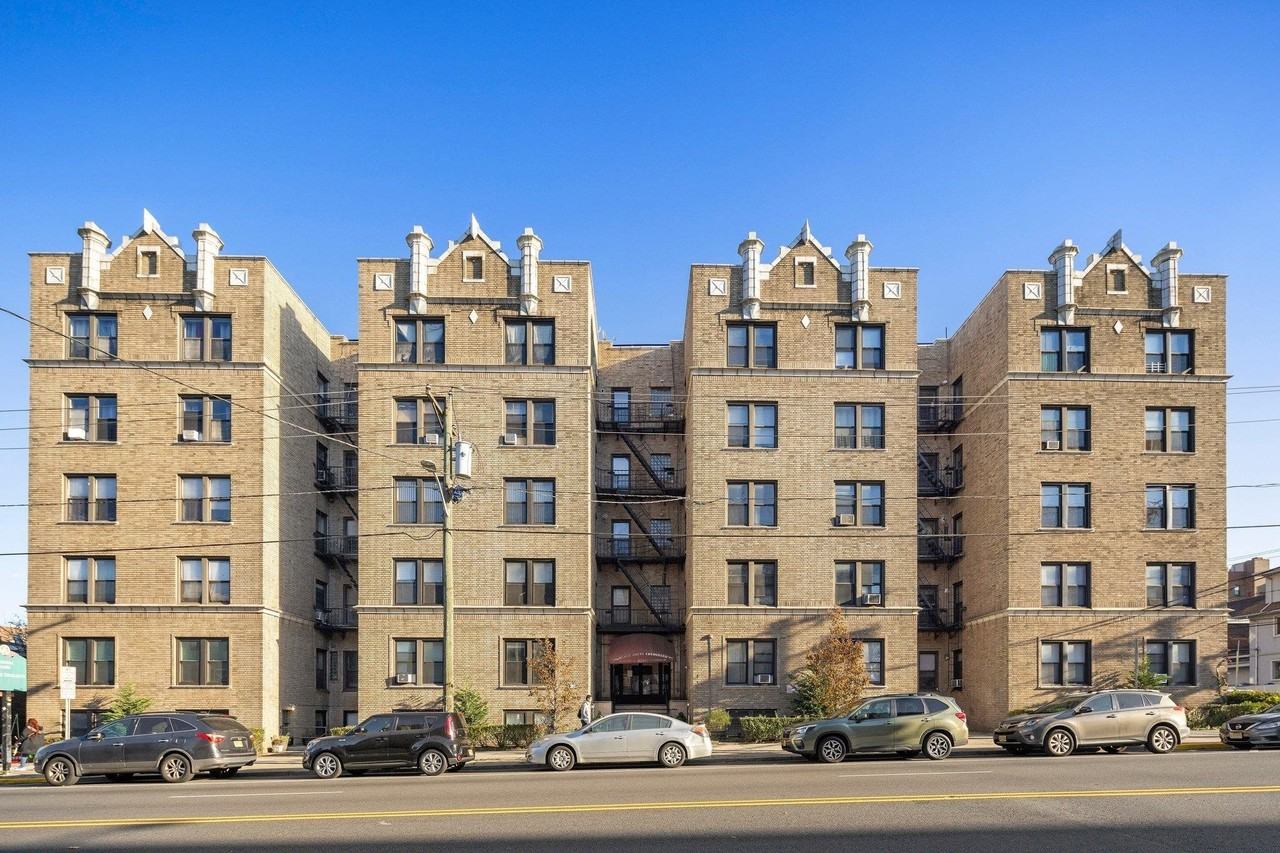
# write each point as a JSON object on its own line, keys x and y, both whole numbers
{"x": 67, "y": 690}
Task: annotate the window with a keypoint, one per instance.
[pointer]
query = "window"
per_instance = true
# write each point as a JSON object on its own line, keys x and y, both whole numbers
{"x": 93, "y": 336}
{"x": 206, "y": 338}
{"x": 531, "y": 342}
{"x": 753, "y": 583}
{"x": 957, "y": 670}
{"x": 1064, "y": 505}
{"x": 1064, "y": 585}
{"x": 205, "y": 498}
{"x": 518, "y": 657}
{"x": 1115, "y": 281}
{"x": 753, "y": 504}
{"x": 1170, "y": 430}
{"x": 419, "y": 582}
{"x": 415, "y": 419}
{"x": 1064, "y": 350}
{"x": 431, "y": 652}
{"x": 91, "y": 497}
{"x": 860, "y": 425}
{"x": 94, "y": 659}
{"x": 350, "y": 671}
{"x": 873, "y": 660}
{"x": 91, "y": 580}
{"x": 1171, "y": 584}
{"x": 148, "y": 263}
{"x": 529, "y": 501}
{"x": 1064, "y": 428}
{"x": 753, "y": 424}
{"x": 91, "y": 417}
{"x": 532, "y": 422}
{"x": 661, "y": 403}
{"x": 529, "y": 582}
{"x": 860, "y": 503}
{"x": 419, "y": 341}
{"x": 1171, "y": 507}
{"x": 1174, "y": 658}
{"x": 472, "y": 266}
{"x": 204, "y": 661}
{"x": 418, "y": 501}
{"x": 322, "y": 669}
{"x": 205, "y": 580}
{"x": 859, "y": 346}
{"x": 857, "y": 582}
{"x": 751, "y": 345}
{"x": 750, "y": 661}
{"x": 804, "y": 274}
{"x": 1065, "y": 663}
{"x": 206, "y": 419}
{"x": 1169, "y": 351}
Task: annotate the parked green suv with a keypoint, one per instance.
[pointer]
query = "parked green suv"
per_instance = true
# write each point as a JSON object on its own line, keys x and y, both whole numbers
{"x": 907, "y": 723}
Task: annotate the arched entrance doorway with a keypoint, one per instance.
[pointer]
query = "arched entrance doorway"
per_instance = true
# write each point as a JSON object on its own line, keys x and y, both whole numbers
{"x": 640, "y": 669}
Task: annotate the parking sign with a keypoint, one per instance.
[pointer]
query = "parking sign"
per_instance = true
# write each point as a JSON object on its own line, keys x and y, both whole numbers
{"x": 67, "y": 682}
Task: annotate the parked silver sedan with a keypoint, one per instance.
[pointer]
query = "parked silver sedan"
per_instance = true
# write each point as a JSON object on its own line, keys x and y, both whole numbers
{"x": 622, "y": 738}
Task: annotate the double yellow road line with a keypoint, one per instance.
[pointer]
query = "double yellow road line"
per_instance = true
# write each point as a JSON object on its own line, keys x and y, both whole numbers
{"x": 581, "y": 808}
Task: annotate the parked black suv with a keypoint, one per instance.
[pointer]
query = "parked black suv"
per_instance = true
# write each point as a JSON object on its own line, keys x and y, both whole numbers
{"x": 175, "y": 744}
{"x": 432, "y": 741}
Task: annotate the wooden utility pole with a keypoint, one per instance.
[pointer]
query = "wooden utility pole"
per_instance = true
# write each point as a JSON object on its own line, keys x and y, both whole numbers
{"x": 446, "y": 486}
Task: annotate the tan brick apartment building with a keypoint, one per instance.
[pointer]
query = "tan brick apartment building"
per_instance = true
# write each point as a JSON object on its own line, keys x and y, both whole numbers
{"x": 677, "y": 518}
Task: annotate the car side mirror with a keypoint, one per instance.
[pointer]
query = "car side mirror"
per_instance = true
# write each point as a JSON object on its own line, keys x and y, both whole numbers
{"x": 359, "y": 730}
{"x": 1084, "y": 710}
{"x": 93, "y": 736}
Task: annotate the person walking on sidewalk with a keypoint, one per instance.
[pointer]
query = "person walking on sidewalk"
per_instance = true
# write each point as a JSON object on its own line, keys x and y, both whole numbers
{"x": 32, "y": 740}
{"x": 584, "y": 713}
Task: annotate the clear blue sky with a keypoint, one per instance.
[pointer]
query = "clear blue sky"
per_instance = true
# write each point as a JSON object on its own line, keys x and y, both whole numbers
{"x": 645, "y": 137}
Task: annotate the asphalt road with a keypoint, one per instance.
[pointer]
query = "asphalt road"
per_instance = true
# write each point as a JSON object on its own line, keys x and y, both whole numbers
{"x": 1200, "y": 801}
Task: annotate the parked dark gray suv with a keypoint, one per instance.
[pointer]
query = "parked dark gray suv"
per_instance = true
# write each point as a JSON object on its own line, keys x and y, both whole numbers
{"x": 175, "y": 744}
{"x": 432, "y": 741}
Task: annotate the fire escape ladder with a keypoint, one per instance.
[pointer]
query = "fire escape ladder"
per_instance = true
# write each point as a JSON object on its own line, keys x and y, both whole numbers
{"x": 635, "y": 576}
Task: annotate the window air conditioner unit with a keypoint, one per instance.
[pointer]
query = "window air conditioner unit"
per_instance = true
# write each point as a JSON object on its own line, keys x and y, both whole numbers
{"x": 405, "y": 678}
{"x": 322, "y": 615}
{"x": 847, "y": 519}
{"x": 764, "y": 679}
{"x": 431, "y": 439}
{"x": 76, "y": 434}
{"x": 957, "y": 684}
{"x": 191, "y": 435}
{"x": 873, "y": 598}
{"x": 1051, "y": 445}
{"x": 511, "y": 438}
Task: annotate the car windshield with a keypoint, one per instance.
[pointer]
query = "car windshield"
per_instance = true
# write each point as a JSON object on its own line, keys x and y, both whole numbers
{"x": 1057, "y": 706}
{"x": 1274, "y": 709}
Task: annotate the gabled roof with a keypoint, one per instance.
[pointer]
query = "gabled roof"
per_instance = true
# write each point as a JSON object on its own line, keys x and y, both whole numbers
{"x": 806, "y": 236}
{"x": 149, "y": 226}
{"x": 1116, "y": 243}
{"x": 475, "y": 231}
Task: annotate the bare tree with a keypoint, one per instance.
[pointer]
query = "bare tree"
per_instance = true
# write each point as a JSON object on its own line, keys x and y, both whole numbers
{"x": 553, "y": 688}
{"x": 835, "y": 675}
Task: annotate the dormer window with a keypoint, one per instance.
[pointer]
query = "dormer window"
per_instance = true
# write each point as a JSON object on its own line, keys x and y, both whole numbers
{"x": 1115, "y": 280}
{"x": 148, "y": 263}
{"x": 472, "y": 266}
{"x": 805, "y": 273}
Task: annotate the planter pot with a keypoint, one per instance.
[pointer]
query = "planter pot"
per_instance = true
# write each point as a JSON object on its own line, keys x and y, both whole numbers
{"x": 279, "y": 747}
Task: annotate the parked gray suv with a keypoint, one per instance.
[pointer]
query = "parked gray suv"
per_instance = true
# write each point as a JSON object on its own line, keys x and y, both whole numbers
{"x": 1111, "y": 719}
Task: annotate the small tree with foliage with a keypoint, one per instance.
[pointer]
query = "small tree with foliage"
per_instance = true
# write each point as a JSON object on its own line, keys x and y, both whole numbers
{"x": 834, "y": 676}
{"x": 472, "y": 707}
{"x": 1143, "y": 677}
{"x": 554, "y": 690}
{"x": 126, "y": 701}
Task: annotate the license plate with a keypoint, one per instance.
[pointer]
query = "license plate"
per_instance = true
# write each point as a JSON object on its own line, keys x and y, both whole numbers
{"x": 1236, "y": 735}
{"x": 238, "y": 742}
{"x": 1001, "y": 738}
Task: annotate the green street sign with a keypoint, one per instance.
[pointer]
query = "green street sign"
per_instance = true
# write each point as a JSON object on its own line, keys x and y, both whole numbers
{"x": 13, "y": 670}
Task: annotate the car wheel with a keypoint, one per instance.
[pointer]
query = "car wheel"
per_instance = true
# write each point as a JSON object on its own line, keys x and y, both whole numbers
{"x": 119, "y": 777}
{"x": 1162, "y": 740}
{"x": 937, "y": 746}
{"x": 60, "y": 772}
{"x": 326, "y": 765}
{"x": 1115, "y": 750}
{"x": 561, "y": 758}
{"x": 175, "y": 768}
{"x": 1059, "y": 743}
{"x": 831, "y": 750}
{"x": 432, "y": 762}
{"x": 672, "y": 755}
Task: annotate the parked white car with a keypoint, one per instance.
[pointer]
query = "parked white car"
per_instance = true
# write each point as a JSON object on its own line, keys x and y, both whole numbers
{"x": 622, "y": 738}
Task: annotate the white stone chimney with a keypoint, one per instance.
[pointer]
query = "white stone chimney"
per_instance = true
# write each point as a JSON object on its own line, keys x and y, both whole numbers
{"x": 530, "y": 247}
{"x": 859, "y": 255}
{"x": 208, "y": 244}
{"x": 1165, "y": 280}
{"x": 96, "y": 244}
{"x": 1064, "y": 264}
{"x": 419, "y": 268}
{"x": 750, "y": 249}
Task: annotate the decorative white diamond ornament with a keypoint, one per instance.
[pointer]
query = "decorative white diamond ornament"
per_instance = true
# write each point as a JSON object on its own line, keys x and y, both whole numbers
{"x": 562, "y": 284}
{"x": 238, "y": 277}
{"x": 1201, "y": 293}
{"x": 382, "y": 281}
{"x": 473, "y": 316}
{"x": 716, "y": 287}
{"x": 804, "y": 321}
{"x": 892, "y": 290}
{"x": 1030, "y": 290}
{"x": 1118, "y": 326}
{"x": 55, "y": 275}
{"x": 146, "y": 312}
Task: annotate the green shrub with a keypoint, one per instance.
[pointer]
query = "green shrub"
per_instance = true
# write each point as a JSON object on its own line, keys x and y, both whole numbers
{"x": 337, "y": 731}
{"x": 1236, "y": 697}
{"x": 516, "y": 737}
{"x": 765, "y": 729}
{"x": 259, "y": 738}
{"x": 718, "y": 720}
{"x": 472, "y": 707}
{"x": 1213, "y": 715}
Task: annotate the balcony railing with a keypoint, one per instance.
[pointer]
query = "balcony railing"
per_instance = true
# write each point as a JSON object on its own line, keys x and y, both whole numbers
{"x": 338, "y": 414}
{"x": 939, "y": 618}
{"x": 937, "y": 481}
{"x": 939, "y": 547}
{"x": 637, "y": 617}
{"x": 347, "y": 547}
{"x": 336, "y": 618}
{"x": 640, "y": 547}
{"x": 638, "y": 481}
{"x": 939, "y": 414}
{"x": 340, "y": 479}
{"x": 640, "y": 414}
